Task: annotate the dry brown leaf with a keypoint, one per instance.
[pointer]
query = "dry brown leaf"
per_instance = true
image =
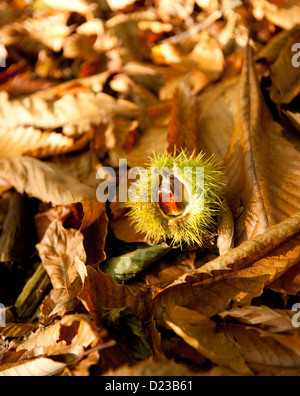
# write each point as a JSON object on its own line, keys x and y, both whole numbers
{"x": 204, "y": 64}
{"x": 264, "y": 352}
{"x": 286, "y": 16}
{"x": 153, "y": 140}
{"x": 201, "y": 333}
{"x": 58, "y": 250}
{"x": 168, "y": 270}
{"x": 285, "y": 77}
{"x": 122, "y": 226}
{"x": 237, "y": 277}
{"x": 272, "y": 320}
{"x": 102, "y": 291}
{"x": 262, "y": 165}
{"x": 215, "y": 132}
{"x": 64, "y": 258}
{"x": 23, "y": 141}
{"x": 38, "y": 367}
{"x": 89, "y": 41}
{"x": 73, "y": 330}
{"x": 174, "y": 10}
{"x": 8, "y": 14}
{"x": 294, "y": 118}
{"x": 288, "y": 283}
{"x": 50, "y": 184}
{"x": 184, "y": 121}
{"x": 70, "y": 111}
{"x": 49, "y": 30}
{"x": 225, "y": 229}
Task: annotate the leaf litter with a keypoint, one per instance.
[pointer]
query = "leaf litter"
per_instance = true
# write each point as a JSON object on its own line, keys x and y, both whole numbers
{"x": 86, "y": 84}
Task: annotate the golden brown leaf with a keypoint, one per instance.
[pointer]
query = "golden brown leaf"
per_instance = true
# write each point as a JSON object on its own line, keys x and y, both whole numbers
{"x": 50, "y": 184}
{"x": 225, "y": 229}
{"x": 58, "y": 250}
{"x": 184, "y": 121}
{"x": 285, "y": 76}
{"x": 239, "y": 276}
{"x": 272, "y": 320}
{"x": 266, "y": 353}
{"x": 202, "y": 334}
{"x": 101, "y": 291}
{"x": 215, "y": 133}
{"x": 262, "y": 165}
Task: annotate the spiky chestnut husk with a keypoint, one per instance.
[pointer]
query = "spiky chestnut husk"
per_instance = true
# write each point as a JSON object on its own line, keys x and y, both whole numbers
{"x": 182, "y": 223}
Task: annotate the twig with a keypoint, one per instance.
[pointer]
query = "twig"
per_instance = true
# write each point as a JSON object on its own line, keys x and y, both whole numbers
{"x": 33, "y": 292}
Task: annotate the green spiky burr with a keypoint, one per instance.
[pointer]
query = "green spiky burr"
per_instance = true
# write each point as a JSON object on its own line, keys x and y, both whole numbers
{"x": 177, "y": 198}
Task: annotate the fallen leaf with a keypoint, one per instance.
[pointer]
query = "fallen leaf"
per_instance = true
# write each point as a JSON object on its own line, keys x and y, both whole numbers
{"x": 48, "y": 183}
{"x": 202, "y": 334}
{"x": 265, "y": 353}
{"x": 38, "y": 367}
{"x": 262, "y": 191}
{"x": 174, "y": 10}
{"x": 58, "y": 250}
{"x": 272, "y": 320}
{"x": 294, "y": 118}
{"x": 69, "y": 111}
{"x": 288, "y": 283}
{"x": 102, "y": 291}
{"x": 285, "y": 77}
{"x": 26, "y": 141}
{"x": 238, "y": 276}
{"x": 73, "y": 330}
{"x": 183, "y": 125}
{"x": 225, "y": 229}
{"x": 215, "y": 133}
{"x": 286, "y": 15}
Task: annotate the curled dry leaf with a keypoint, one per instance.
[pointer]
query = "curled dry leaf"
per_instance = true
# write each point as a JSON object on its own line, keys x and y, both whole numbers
{"x": 201, "y": 333}
{"x": 286, "y": 14}
{"x": 273, "y": 320}
{"x": 102, "y": 291}
{"x": 289, "y": 283}
{"x": 80, "y": 110}
{"x": 62, "y": 252}
{"x": 47, "y": 182}
{"x": 184, "y": 121}
{"x": 269, "y": 354}
{"x": 33, "y": 142}
{"x": 58, "y": 250}
{"x": 38, "y": 367}
{"x": 215, "y": 133}
{"x": 225, "y": 229}
{"x": 239, "y": 276}
{"x": 285, "y": 77}
{"x": 73, "y": 331}
{"x": 176, "y": 10}
{"x": 262, "y": 190}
